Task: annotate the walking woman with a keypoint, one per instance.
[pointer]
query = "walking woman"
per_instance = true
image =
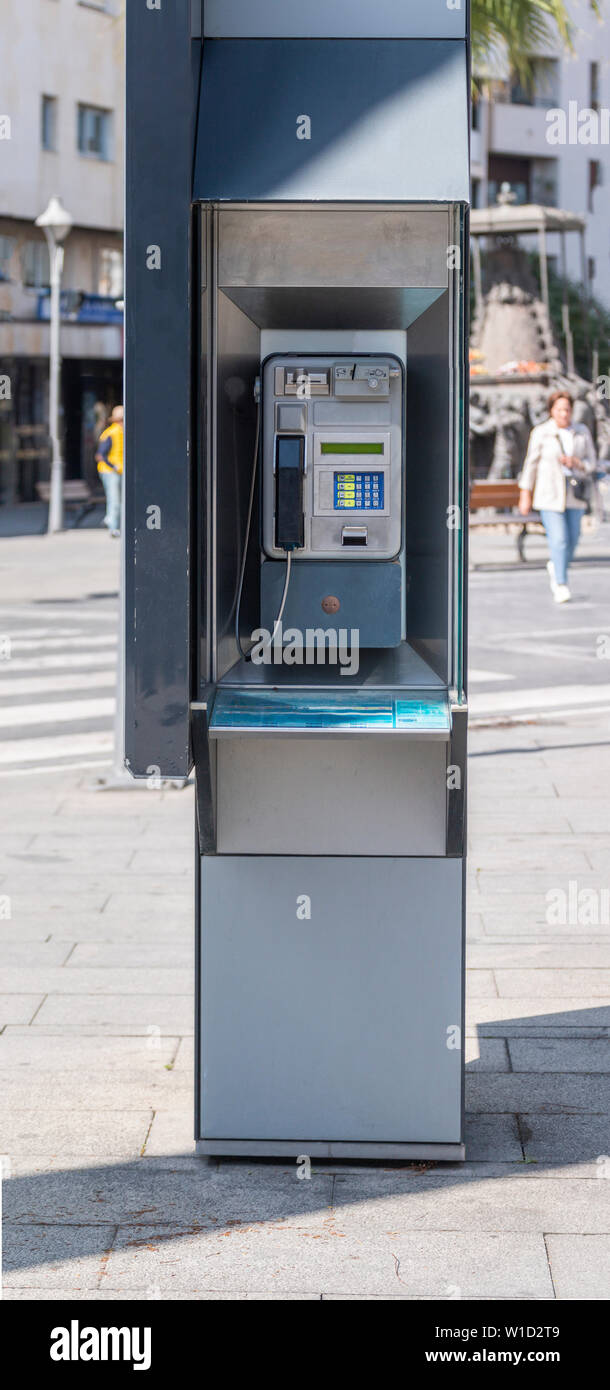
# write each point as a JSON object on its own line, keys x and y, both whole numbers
{"x": 560, "y": 459}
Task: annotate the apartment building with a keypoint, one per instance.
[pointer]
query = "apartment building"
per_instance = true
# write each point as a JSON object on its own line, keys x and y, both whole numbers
{"x": 61, "y": 133}
{"x": 561, "y": 160}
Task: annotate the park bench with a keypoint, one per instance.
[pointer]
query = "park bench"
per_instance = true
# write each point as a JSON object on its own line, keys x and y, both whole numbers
{"x": 501, "y": 494}
{"x": 76, "y": 494}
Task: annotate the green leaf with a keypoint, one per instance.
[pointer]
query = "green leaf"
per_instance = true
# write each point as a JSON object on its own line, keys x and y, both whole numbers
{"x": 518, "y": 30}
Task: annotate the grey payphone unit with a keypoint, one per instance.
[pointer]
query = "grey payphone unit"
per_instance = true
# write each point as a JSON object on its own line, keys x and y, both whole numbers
{"x": 333, "y": 443}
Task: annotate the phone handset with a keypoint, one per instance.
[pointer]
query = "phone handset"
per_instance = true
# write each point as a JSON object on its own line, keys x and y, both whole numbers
{"x": 289, "y": 475}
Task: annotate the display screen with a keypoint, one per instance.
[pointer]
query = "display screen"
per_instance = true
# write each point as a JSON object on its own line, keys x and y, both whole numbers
{"x": 360, "y": 491}
{"x": 363, "y": 446}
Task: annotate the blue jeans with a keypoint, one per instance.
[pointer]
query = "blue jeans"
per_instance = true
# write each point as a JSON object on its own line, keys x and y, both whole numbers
{"x": 562, "y": 532}
{"x": 112, "y": 488}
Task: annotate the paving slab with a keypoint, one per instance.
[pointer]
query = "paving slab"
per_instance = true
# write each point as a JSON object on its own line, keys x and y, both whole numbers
{"x": 492, "y": 1138}
{"x": 563, "y": 1055}
{"x": 19, "y": 1008}
{"x": 113, "y": 930}
{"x": 539, "y": 880}
{"x": 376, "y": 1203}
{"x": 590, "y": 817}
{"x": 481, "y": 984}
{"x": 514, "y": 1015}
{"x": 86, "y": 1133}
{"x": 27, "y": 1050}
{"x": 486, "y": 1054}
{"x": 169, "y": 906}
{"x": 81, "y": 980}
{"x": 89, "y": 1089}
{"x": 568, "y": 1139}
{"x": 138, "y": 1191}
{"x": 174, "y": 952}
{"x": 580, "y": 1266}
{"x": 53, "y": 864}
{"x": 52, "y": 1257}
{"x": 576, "y": 954}
{"x": 152, "y": 1293}
{"x": 127, "y": 1013}
{"x": 541, "y": 983}
{"x": 172, "y": 1133}
{"x": 548, "y": 1092}
{"x": 529, "y": 927}
{"x": 11, "y": 931}
{"x": 318, "y": 1256}
{"x": 37, "y": 954}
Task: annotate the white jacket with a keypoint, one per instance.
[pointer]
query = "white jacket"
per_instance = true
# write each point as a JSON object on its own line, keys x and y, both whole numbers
{"x": 543, "y": 473}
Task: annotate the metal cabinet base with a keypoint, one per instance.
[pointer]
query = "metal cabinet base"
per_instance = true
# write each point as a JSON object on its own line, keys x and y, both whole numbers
{"x": 331, "y": 1008}
{"x": 271, "y": 1148}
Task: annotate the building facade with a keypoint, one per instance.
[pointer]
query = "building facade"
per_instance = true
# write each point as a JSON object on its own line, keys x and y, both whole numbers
{"x": 61, "y": 133}
{"x": 552, "y": 143}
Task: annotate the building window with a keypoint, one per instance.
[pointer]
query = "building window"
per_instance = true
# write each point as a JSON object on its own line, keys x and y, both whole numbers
{"x": 509, "y": 169}
{"x": 94, "y": 126}
{"x": 35, "y": 264}
{"x": 595, "y": 178}
{"x": 7, "y": 249}
{"x": 110, "y": 276}
{"x": 541, "y": 90}
{"x": 543, "y": 182}
{"x": 48, "y": 123}
{"x": 594, "y": 86}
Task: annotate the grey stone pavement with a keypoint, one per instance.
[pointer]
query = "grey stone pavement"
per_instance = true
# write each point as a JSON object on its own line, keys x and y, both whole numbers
{"x": 103, "y": 1197}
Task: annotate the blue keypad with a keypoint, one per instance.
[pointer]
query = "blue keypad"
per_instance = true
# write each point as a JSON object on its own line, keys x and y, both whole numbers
{"x": 358, "y": 492}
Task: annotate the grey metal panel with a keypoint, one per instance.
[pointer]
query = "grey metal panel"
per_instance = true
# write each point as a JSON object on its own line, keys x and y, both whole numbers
{"x": 160, "y": 60}
{"x": 400, "y": 19}
{"x": 378, "y": 670}
{"x": 429, "y": 407}
{"x": 306, "y": 309}
{"x": 456, "y": 784}
{"x": 370, "y": 595}
{"x": 342, "y": 248}
{"x": 237, "y": 363}
{"x": 332, "y": 1028}
{"x": 331, "y": 796}
{"x": 389, "y": 120}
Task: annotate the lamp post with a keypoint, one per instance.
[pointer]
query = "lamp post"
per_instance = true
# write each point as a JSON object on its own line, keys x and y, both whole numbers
{"x": 56, "y": 223}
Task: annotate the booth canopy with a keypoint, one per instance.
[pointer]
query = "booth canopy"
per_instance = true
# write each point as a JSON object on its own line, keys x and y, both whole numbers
{"x": 331, "y": 120}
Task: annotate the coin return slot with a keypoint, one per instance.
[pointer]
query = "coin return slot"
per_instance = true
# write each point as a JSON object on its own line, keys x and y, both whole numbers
{"x": 354, "y": 535}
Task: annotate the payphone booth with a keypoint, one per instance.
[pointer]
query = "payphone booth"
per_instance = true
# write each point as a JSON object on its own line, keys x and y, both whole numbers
{"x": 297, "y": 258}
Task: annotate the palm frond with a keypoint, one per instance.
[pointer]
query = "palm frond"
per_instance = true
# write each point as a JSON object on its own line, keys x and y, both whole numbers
{"x": 517, "y": 30}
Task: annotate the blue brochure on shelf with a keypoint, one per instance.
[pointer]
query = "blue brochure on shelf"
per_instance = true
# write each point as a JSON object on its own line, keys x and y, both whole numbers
{"x": 329, "y": 710}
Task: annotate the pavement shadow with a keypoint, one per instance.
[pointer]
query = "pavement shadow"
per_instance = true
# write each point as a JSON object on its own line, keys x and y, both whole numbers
{"x": 31, "y": 519}
{"x": 553, "y": 1112}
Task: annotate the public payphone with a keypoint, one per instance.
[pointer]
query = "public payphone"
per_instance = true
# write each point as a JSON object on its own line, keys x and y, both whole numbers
{"x": 333, "y": 448}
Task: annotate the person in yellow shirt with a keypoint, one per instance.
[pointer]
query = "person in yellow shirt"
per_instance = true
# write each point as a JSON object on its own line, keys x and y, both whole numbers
{"x": 109, "y": 456}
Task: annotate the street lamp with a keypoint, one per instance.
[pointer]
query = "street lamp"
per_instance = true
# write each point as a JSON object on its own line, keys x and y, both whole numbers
{"x": 56, "y": 223}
